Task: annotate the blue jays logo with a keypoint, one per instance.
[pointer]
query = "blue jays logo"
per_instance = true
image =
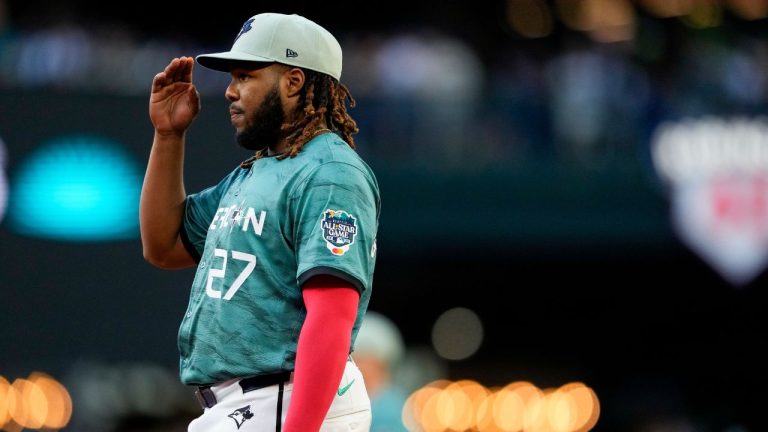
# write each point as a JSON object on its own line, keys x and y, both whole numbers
{"x": 240, "y": 415}
{"x": 246, "y": 27}
{"x": 339, "y": 230}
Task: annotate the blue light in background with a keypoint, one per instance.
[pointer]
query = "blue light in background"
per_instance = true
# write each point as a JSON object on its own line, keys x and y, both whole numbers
{"x": 3, "y": 181}
{"x": 76, "y": 188}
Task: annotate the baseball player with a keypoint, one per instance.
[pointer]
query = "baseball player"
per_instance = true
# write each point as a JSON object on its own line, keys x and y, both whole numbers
{"x": 285, "y": 244}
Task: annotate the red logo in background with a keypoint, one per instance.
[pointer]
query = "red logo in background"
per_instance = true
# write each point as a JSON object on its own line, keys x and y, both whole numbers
{"x": 717, "y": 171}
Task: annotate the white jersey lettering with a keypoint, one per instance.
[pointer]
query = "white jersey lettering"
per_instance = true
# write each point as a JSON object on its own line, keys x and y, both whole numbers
{"x": 215, "y": 218}
{"x": 258, "y": 224}
{"x": 223, "y": 214}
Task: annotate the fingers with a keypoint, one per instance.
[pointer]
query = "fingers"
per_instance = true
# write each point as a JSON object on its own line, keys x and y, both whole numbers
{"x": 182, "y": 69}
{"x": 179, "y": 69}
{"x": 189, "y": 63}
{"x": 172, "y": 70}
{"x": 158, "y": 82}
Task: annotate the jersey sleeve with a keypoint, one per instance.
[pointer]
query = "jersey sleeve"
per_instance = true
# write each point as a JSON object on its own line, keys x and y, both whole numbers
{"x": 199, "y": 210}
{"x": 335, "y": 213}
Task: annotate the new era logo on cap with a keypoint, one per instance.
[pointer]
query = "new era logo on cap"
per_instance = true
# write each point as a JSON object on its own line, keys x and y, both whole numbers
{"x": 291, "y": 53}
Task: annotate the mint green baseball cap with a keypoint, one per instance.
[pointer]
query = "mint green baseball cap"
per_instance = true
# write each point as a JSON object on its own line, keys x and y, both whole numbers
{"x": 288, "y": 39}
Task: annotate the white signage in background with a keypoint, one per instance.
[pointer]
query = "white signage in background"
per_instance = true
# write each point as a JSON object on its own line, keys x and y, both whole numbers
{"x": 3, "y": 181}
{"x": 717, "y": 172}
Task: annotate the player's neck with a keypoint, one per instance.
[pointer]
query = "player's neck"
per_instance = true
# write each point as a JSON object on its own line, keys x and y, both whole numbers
{"x": 283, "y": 144}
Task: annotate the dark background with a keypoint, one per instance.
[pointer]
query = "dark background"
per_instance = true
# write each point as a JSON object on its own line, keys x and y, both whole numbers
{"x": 570, "y": 262}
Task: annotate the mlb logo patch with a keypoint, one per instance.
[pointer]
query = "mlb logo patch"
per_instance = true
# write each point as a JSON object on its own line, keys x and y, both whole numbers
{"x": 339, "y": 229}
{"x": 725, "y": 220}
{"x": 717, "y": 172}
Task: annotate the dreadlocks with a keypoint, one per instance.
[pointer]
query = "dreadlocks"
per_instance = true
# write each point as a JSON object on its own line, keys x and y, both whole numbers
{"x": 321, "y": 98}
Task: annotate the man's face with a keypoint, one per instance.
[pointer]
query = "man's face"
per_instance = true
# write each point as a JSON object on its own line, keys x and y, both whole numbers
{"x": 256, "y": 110}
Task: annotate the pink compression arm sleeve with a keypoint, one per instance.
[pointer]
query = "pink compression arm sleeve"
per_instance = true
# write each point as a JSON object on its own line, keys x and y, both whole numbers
{"x": 322, "y": 351}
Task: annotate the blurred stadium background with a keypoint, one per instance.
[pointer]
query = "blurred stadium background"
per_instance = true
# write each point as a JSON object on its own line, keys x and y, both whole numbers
{"x": 526, "y": 234}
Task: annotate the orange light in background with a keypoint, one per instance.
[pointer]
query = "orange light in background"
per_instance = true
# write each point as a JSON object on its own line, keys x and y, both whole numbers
{"x": 454, "y": 408}
{"x": 408, "y": 414}
{"x": 430, "y": 416}
{"x": 16, "y": 406}
{"x": 484, "y": 413}
{"x": 5, "y": 398}
{"x": 443, "y": 406}
{"x": 705, "y": 13}
{"x": 39, "y": 402}
{"x": 612, "y": 20}
{"x": 568, "y": 11}
{"x": 530, "y": 18}
{"x": 668, "y": 8}
{"x": 535, "y": 418}
{"x": 605, "y": 20}
{"x": 12, "y": 398}
{"x": 562, "y": 412}
{"x": 510, "y": 409}
{"x": 37, "y": 405}
{"x": 59, "y": 401}
{"x": 586, "y": 403}
{"x": 476, "y": 394}
{"x": 414, "y": 407}
{"x": 749, "y": 9}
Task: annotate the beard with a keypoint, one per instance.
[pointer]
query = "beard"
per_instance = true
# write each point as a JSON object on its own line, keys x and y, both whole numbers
{"x": 263, "y": 128}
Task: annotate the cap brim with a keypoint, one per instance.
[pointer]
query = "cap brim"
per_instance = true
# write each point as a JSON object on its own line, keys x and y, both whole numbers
{"x": 223, "y": 61}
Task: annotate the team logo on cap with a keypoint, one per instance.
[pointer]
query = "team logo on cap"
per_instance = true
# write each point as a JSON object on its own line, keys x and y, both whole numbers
{"x": 246, "y": 27}
{"x": 339, "y": 230}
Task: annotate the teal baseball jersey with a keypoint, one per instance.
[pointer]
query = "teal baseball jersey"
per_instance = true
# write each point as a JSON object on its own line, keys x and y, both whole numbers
{"x": 258, "y": 236}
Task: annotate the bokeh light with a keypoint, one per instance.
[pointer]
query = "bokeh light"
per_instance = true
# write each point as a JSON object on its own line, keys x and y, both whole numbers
{"x": 749, "y": 9}
{"x": 507, "y": 410}
{"x": 457, "y": 334}
{"x": 605, "y": 20}
{"x": 3, "y": 180}
{"x": 414, "y": 408}
{"x": 586, "y": 404}
{"x": 5, "y": 399}
{"x": 58, "y": 400}
{"x": 519, "y": 406}
{"x": 484, "y": 411}
{"x": 454, "y": 408}
{"x": 476, "y": 394}
{"x": 530, "y": 18}
{"x": 705, "y": 14}
{"x": 668, "y": 8}
{"x": 39, "y": 402}
{"x": 562, "y": 412}
{"x": 34, "y": 403}
{"x": 77, "y": 188}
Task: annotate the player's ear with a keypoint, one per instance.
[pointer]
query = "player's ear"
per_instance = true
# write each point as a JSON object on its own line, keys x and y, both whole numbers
{"x": 293, "y": 80}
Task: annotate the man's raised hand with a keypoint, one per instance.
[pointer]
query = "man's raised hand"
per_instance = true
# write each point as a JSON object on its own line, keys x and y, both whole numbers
{"x": 174, "y": 101}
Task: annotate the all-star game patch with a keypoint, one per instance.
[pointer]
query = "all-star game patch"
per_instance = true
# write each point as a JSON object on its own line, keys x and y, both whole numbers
{"x": 339, "y": 230}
